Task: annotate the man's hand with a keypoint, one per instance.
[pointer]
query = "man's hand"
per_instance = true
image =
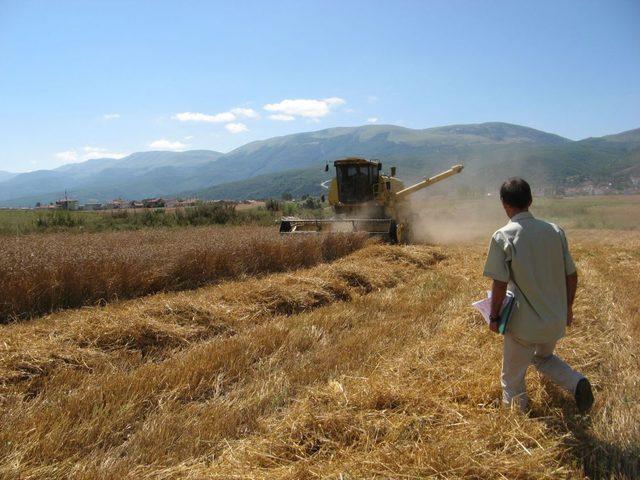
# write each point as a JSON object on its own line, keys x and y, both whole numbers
{"x": 498, "y": 292}
{"x": 493, "y": 326}
{"x": 569, "y": 316}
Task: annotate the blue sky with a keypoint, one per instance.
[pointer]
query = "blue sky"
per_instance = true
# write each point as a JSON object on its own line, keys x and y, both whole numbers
{"x": 84, "y": 79}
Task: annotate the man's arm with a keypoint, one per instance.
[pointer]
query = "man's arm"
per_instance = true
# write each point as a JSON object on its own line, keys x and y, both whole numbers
{"x": 571, "y": 278}
{"x": 572, "y": 285}
{"x": 498, "y": 292}
{"x": 497, "y": 269}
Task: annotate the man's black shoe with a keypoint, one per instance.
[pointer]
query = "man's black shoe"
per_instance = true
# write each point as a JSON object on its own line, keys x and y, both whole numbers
{"x": 584, "y": 396}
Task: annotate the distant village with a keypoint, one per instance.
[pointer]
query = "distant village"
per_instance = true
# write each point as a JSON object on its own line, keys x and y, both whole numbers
{"x": 71, "y": 204}
{"x": 591, "y": 188}
{"x": 588, "y": 188}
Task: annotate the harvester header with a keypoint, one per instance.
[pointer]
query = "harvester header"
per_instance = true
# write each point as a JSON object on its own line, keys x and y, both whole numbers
{"x": 364, "y": 199}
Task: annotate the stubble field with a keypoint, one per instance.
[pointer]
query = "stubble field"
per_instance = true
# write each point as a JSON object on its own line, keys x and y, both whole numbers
{"x": 373, "y": 365}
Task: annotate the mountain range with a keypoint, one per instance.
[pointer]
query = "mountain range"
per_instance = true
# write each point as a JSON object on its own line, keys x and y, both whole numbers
{"x": 294, "y": 163}
{"x": 6, "y": 175}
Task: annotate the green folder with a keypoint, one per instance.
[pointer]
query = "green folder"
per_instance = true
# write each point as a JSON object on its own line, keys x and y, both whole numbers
{"x": 505, "y": 314}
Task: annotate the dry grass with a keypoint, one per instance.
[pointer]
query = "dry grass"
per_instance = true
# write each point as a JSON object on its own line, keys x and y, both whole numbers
{"x": 43, "y": 273}
{"x": 373, "y": 366}
{"x": 446, "y": 220}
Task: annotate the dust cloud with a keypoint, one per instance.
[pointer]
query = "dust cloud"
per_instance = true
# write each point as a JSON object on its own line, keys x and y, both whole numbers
{"x": 445, "y": 220}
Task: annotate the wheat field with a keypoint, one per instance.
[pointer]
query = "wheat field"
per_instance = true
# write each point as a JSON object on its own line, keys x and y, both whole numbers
{"x": 371, "y": 366}
{"x": 48, "y": 272}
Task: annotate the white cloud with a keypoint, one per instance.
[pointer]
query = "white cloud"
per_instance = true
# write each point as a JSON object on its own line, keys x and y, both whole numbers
{"x": 86, "y": 153}
{"x": 189, "y": 137}
{"x": 203, "y": 117}
{"x": 372, "y": 99}
{"x": 111, "y": 116}
{"x": 281, "y": 117}
{"x": 334, "y": 101}
{"x": 245, "y": 112}
{"x": 372, "y": 120}
{"x": 236, "y": 127}
{"x": 221, "y": 117}
{"x": 304, "y": 107}
{"x": 97, "y": 152}
{"x": 68, "y": 156}
{"x": 163, "y": 144}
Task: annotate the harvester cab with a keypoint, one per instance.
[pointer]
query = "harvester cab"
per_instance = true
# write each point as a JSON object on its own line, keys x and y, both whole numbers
{"x": 366, "y": 200}
{"x": 356, "y": 186}
{"x": 356, "y": 180}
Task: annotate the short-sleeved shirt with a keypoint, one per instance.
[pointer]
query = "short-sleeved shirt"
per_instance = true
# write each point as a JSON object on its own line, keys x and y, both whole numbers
{"x": 533, "y": 257}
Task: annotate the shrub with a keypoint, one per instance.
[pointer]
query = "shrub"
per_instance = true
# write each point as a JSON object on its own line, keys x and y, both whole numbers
{"x": 289, "y": 209}
{"x": 217, "y": 213}
{"x": 312, "y": 203}
{"x": 58, "y": 219}
{"x": 273, "y": 205}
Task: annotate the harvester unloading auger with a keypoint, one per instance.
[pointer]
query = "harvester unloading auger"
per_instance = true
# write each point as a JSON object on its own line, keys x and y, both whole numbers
{"x": 365, "y": 200}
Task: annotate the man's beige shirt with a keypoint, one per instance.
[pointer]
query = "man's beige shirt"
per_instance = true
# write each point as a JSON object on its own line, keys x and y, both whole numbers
{"x": 533, "y": 256}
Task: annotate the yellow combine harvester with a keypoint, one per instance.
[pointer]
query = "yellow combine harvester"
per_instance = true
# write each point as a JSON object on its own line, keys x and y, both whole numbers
{"x": 365, "y": 200}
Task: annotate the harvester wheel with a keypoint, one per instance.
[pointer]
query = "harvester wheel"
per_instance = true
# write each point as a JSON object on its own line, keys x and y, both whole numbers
{"x": 285, "y": 226}
{"x": 407, "y": 234}
{"x": 400, "y": 233}
{"x": 393, "y": 232}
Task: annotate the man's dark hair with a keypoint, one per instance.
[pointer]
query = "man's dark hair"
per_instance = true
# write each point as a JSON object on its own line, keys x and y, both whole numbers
{"x": 516, "y": 193}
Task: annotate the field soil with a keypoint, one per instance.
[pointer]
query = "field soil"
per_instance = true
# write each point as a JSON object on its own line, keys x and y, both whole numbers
{"x": 371, "y": 366}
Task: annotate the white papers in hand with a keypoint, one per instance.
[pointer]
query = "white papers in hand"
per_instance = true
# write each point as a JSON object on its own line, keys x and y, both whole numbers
{"x": 484, "y": 306}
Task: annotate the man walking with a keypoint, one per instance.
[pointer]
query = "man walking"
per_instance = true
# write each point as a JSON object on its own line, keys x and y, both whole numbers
{"x": 532, "y": 257}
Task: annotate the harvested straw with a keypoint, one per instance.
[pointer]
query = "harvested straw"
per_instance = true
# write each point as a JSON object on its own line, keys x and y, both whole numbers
{"x": 374, "y": 366}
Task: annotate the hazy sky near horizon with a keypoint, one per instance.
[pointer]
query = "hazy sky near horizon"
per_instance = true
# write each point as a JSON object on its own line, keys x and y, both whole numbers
{"x": 86, "y": 79}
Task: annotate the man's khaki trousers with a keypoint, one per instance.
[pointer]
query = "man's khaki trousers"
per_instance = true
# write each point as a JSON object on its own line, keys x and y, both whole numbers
{"x": 517, "y": 357}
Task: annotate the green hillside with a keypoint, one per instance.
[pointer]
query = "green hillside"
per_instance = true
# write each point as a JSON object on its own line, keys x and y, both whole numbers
{"x": 547, "y": 162}
{"x": 294, "y": 163}
{"x": 272, "y": 185}
{"x": 628, "y": 140}
{"x": 6, "y": 175}
{"x": 142, "y": 174}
